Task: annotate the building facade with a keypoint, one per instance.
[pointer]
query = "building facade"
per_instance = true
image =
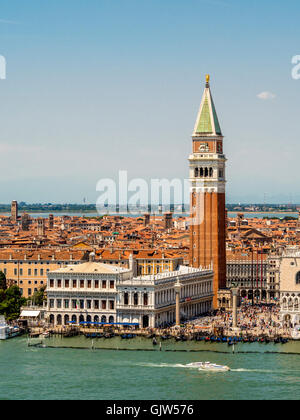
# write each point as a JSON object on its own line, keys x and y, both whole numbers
{"x": 250, "y": 274}
{"x": 289, "y": 273}
{"x": 96, "y": 292}
{"x": 207, "y": 177}
{"x": 28, "y": 269}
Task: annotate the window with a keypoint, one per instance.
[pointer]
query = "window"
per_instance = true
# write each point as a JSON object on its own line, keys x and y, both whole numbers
{"x": 126, "y": 300}
{"x": 104, "y": 284}
{"x": 74, "y": 304}
{"x": 59, "y": 283}
{"x": 88, "y": 304}
{"x": 103, "y": 304}
{"x": 74, "y": 284}
{"x": 111, "y": 304}
{"x": 111, "y": 284}
{"x": 21, "y": 271}
{"x": 135, "y": 299}
{"x": 66, "y": 303}
{"x": 51, "y": 283}
{"x": 96, "y": 284}
{"x": 58, "y": 303}
{"x": 35, "y": 272}
{"x": 89, "y": 284}
{"x": 298, "y": 278}
{"x": 81, "y": 304}
{"x": 96, "y": 304}
{"x": 67, "y": 283}
{"x": 15, "y": 271}
{"x": 51, "y": 303}
{"x": 41, "y": 271}
{"x": 81, "y": 284}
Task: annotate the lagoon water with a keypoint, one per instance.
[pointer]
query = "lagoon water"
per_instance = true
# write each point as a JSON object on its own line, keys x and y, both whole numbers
{"x": 230, "y": 214}
{"x": 100, "y": 373}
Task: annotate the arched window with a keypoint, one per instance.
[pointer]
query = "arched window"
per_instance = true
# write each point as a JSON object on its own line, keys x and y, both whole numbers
{"x": 103, "y": 319}
{"x": 201, "y": 172}
{"x": 206, "y": 173}
{"x": 211, "y": 172}
{"x": 196, "y": 172}
{"x": 135, "y": 299}
{"x": 59, "y": 320}
{"x": 284, "y": 303}
{"x": 298, "y": 278}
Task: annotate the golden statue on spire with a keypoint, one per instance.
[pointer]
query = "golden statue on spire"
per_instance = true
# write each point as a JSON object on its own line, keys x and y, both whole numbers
{"x": 207, "y": 78}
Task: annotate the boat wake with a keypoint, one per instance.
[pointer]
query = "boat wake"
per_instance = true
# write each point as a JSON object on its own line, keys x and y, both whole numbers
{"x": 173, "y": 365}
{"x": 196, "y": 366}
{"x": 252, "y": 370}
{"x": 163, "y": 365}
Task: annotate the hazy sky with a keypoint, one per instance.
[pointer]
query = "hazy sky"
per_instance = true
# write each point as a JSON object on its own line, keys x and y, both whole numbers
{"x": 95, "y": 86}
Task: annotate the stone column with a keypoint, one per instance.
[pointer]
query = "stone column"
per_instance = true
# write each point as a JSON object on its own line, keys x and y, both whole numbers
{"x": 177, "y": 288}
{"x": 234, "y": 307}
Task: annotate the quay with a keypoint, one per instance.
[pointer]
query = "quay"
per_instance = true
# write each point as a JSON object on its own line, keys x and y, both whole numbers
{"x": 184, "y": 333}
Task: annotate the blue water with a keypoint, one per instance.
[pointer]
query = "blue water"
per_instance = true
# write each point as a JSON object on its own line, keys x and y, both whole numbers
{"x": 60, "y": 373}
{"x": 230, "y": 214}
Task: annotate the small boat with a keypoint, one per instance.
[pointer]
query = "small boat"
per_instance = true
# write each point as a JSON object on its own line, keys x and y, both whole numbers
{"x": 108, "y": 335}
{"x": 209, "y": 366}
{"x": 165, "y": 337}
{"x": 6, "y": 331}
{"x": 154, "y": 341}
{"x": 45, "y": 334}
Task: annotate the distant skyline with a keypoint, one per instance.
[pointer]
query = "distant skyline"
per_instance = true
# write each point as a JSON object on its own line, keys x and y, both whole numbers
{"x": 100, "y": 86}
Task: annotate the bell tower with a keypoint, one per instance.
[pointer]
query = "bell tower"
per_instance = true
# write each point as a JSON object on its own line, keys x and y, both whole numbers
{"x": 207, "y": 199}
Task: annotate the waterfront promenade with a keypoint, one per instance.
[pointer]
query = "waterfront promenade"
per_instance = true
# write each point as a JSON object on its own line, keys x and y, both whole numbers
{"x": 256, "y": 322}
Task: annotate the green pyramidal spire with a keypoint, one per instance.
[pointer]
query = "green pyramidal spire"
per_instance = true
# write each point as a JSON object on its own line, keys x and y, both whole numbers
{"x": 207, "y": 122}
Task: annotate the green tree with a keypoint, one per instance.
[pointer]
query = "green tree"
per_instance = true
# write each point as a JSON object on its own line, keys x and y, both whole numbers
{"x": 11, "y": 304}
{"x": 3, "y": 284}
{"x": 38, "y": 297}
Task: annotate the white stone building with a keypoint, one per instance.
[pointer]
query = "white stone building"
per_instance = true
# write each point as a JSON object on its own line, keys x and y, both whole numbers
{"x": 289, "y": 273}
{"x": 96, "y": 292}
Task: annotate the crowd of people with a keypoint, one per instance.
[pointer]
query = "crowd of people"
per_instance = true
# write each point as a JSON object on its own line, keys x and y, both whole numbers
{"x": 259, "y": 320}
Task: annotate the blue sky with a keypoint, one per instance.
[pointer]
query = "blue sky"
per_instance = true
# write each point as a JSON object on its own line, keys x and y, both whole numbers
{"x": 95, "y": 86}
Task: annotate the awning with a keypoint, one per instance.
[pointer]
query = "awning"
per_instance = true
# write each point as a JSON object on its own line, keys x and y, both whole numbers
{"x": 30, "y": 314}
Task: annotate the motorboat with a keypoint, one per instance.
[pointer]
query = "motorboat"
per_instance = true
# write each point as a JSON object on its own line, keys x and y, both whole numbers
{"x": 208, "y": 366}
{"x": 7, "y": 332}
